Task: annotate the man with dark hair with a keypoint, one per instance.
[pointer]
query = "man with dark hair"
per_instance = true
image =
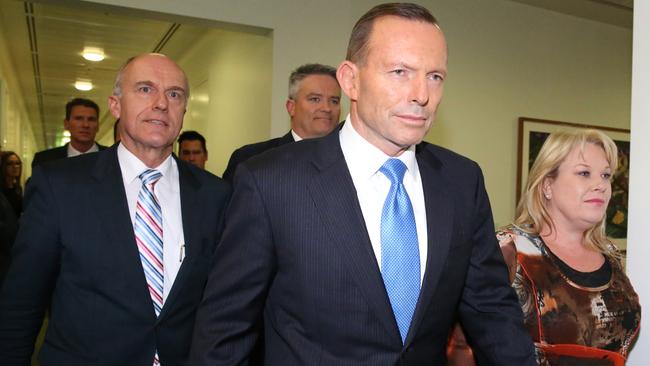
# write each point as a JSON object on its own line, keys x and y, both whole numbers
{"x": 363, "y": 247}
{"x": 117, "y": 245}
{"x": 313, "y": 105}
{"x": 82, "y": 121}
{"x": 191, "y": 148}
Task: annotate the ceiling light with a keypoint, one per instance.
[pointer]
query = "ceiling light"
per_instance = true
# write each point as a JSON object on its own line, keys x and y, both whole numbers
{"x": 93, "y": 54}
{"x": 83, "y": 85}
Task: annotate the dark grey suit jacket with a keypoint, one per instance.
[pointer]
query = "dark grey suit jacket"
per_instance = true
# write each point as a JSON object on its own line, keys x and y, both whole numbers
{"x": 296, "y": 255}
{"x": 76, "y": 254}
{"x": 248, "y": 151}
{"x": 56, "y": 153}
{"x": 8, "y": 228}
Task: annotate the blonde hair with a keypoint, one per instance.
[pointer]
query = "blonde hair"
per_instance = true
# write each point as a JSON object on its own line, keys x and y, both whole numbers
{"x": 532, "y": 214}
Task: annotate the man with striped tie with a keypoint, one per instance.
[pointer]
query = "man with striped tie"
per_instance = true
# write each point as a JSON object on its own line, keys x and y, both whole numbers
{"x": 116, "y": 244}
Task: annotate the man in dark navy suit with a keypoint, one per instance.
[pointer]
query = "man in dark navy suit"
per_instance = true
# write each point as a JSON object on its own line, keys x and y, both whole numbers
{"x": 313, "y": 105}
{"x": 82, "y": 121}
{"x": 363, "y": 247}
{"x": 117, "y": 244}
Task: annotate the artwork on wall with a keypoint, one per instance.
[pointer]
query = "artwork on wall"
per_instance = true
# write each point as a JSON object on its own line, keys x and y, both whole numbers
{"x": 2, "y": 116}
{"x": 531, "y": 136}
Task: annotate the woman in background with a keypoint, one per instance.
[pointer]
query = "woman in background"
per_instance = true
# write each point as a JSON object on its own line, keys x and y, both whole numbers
{"x": 10, "y": 171}
{"x": 578, "y": 304}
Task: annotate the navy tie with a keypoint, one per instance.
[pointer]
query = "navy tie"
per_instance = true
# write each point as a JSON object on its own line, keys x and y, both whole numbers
{"x": 400, "y": 254}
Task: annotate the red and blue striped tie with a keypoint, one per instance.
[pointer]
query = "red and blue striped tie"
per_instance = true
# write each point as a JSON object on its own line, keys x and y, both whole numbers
{"x": 148, "y": 229}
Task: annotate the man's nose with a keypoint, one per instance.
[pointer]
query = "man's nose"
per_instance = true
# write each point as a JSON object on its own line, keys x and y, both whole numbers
{"x": 419, "y": 91}
{"x": 325, "y": 106}
{"x": 161, "y": 102}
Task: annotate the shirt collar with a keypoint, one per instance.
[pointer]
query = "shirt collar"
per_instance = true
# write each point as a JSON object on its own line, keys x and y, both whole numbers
{"x": 132, "y": 167}
{"x": 366, "y": 159}
{"x": 74, "y": 152}
{"x": 296, "y": 137}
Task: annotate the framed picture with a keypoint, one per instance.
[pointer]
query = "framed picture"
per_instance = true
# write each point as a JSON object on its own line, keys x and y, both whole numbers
{"x": 531, "y": 136}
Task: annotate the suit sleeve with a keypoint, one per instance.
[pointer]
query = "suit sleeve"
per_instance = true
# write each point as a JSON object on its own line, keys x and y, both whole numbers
{"x": 36, "y": 160}
{"x": 8, "y": 228}
{"x": 489, "y": 309}
{"x": 229, "y": 319}
{"x": 229, "y": 173}
{"x": 28, "y": 286}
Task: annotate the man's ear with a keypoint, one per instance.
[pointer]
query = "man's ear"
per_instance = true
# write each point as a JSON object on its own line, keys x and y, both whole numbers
{"x": 291, "y": 106}
{"x": 114, "y": 106}
{"x": 66, "y": 124}
{"x": 348, "y": 76}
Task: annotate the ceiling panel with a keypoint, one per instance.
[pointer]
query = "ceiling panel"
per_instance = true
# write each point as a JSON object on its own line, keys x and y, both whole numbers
{"x": 58, "y": 34}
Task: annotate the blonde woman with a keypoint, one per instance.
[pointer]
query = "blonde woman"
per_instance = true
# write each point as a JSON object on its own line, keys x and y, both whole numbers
{"x": 579, "y": 306}
{"x": 578, "y": 303}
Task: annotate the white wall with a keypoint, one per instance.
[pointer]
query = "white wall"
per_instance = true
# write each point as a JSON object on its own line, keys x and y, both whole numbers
{"x": 15, "y": 127}
{"x": 507, "y": 60}
{"x": 638, "y": 248}
{"x": 230, "y": 79}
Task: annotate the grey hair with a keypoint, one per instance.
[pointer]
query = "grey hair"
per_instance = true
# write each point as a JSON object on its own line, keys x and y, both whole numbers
{"x": 305, "y": 70}
{"x": 117, "y": 86}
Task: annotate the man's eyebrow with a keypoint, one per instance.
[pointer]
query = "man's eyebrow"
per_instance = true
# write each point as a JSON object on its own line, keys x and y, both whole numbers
{"x": 152, "y": 84}
{"x": 144, "y": 82}
{"x": 176, "y": 88}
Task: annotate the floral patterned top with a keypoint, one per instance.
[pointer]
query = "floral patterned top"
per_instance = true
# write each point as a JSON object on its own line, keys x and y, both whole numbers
{"x": 571, "y": 324}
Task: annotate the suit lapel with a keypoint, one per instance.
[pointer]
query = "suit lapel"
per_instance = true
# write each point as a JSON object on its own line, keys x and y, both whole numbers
{"x": 440, "y": 212}
{"x": 113, "y": 210}
{"x": 335, "y": 197}
{"x": 62, "y": 152}
{"x": 189, "y": 187}
{"x": 287, "y": 138}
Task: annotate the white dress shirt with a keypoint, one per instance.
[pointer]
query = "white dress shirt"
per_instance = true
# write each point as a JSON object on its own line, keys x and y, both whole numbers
{"x": 74, "y": 152}
{"x": 167, "y": 191}
{"x": 364, "y": 160}
{"x": 296, "y": 137}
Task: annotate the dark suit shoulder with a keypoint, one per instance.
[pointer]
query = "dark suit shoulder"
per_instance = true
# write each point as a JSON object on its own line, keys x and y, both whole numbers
{"x": 66, "y": 175}
{"x": 446, "y": 159}
{"x": 202, "y": 176}
{"x": 50, "y": 155}
{"x": 60, "y": 167}
{"x": 286, "y": 155}
{"x": 247, "y": 151}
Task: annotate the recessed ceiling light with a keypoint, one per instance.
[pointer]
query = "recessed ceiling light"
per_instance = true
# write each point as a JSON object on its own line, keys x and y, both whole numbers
{"x": 93, "y": 54}
{"x": 83, "y": 85}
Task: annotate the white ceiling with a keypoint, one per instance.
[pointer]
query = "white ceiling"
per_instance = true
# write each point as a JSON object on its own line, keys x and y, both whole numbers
{"x": 46, "y": 42}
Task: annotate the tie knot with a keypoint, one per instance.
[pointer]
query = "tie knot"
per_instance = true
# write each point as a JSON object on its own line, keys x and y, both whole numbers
{"x": 150, "y": 176}
{"x": 394, "y": 170}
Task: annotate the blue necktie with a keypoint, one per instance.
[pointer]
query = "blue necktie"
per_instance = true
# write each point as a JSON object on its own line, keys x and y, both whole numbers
{"x": 400, "y": 254}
